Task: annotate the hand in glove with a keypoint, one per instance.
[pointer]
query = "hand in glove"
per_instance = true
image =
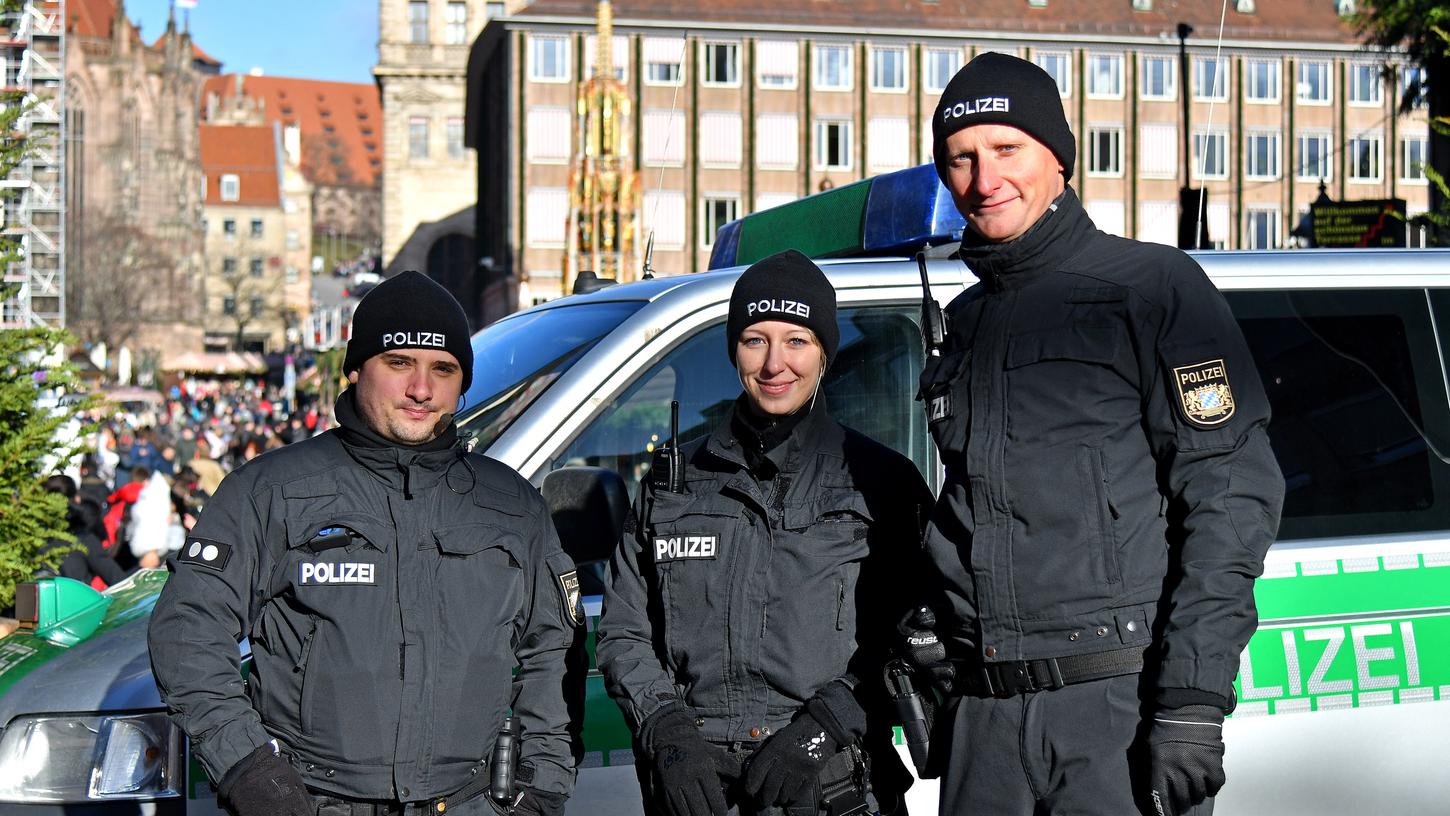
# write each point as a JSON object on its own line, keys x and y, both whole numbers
{"x": 787, "y": 768}
{"x": 1185, "y": 757}
{"x": 263, "y": 783}
{"x": 687, "y": 768}
{"x": 924, "y": 651}
{"x": 538, "y": 803}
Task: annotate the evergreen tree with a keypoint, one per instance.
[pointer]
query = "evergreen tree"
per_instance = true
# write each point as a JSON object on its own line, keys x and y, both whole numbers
{"x": 1422, "y": 29}
{"x": 33, "y": 376}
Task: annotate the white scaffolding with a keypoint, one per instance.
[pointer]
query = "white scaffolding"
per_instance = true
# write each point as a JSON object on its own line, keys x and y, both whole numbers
{"x": 32, "y": 198}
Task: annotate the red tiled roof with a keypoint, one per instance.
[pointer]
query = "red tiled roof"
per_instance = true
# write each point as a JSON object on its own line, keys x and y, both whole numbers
{"x": 202, "y": 56}
{"x": 341, "y": 123}
{"x": 248, "y": 152}
{"x": 90, "y": 18}
{"x": 1292, "y": 20}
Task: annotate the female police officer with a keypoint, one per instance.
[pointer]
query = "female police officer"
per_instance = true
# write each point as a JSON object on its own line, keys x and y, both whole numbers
{"x": 742, "y": 628}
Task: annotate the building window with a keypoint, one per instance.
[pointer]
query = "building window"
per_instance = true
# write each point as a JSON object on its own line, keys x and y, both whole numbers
{"x": 230, "y": 187}
{"x": 1364, "y": 157}
{"x": 663, "y": 57}
{"x": 1413, "y": 85}
{"x": 1311, "y": 158}
{"x": 716, "y": 212}
{"x": 1158, "y": 222}
{"x": 547, "y": 135}
{"x": 1263, "y": 227}
{"x": 256, "y": 228}
{"x": 256, "y": 305}
{"x": 777, "y": 141}
{"x": 1413, "y": 153}
{"x": 664, "y": 212}
{"x": 832, "y": 71}
{"x": 833, "y": 144}
{"x": 888, "y": 68}
{"x": 418, "y": 21}
{"x": 939, "y": 65}
{"x": 1365, "y": 87}
{"x": 456, "y": 18}
{"x": 1312, "y": 87}
{"x": 1210, "y": 79}
{"x": 1262, "y": 81}
{"x": 292, "y": 275}
{"x": 493, "y": 9}
{"x": 545, "y": 213}
{"x": 1210, "y": 154}
{"x": 1059, "y": 67}
{"x": 664, "y": 138}
{"x": 720, "y": 139}
{"x": 229, "y": 266}
{"x": 229, "y": 227}
{"x": 766, "y": 201}
{"x": 776, "y": 64}
{"x": 1159, "y": 77}
{"x": 722, "y": 63}
{"x": 229, "y": 305}
{"x": 1158, "y": 151}
{"x": 888, "y": 144}
{"x": 254, "y": 267}
{"x": 418, "y": 137}
{"x": 1261, "y": 154}
{"x": 455, "y": 138}
{"x": 618, "y": 56}
{"x": 1105, "y": 150}
{"x": 294, "y": 241}
{"x": 1105, "y": 76}
{"x": 548, "y": 58}
{"x": 1107, "y": 215}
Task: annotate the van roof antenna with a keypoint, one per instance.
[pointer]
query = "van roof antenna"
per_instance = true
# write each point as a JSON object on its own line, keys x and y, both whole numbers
{"x": 649, "y": 251}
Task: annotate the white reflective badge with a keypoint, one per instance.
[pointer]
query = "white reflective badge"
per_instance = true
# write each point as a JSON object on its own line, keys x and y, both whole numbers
{"x": 1204, "y": 394}
{"x": 681, "y": 547}
{"x": 569, "y": 589}
{"x": 316, "y": 573}
{"x": 206, "y": 552}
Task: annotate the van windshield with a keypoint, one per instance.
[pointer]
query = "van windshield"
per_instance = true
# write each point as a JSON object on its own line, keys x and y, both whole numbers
{"x": 516, "y": 360}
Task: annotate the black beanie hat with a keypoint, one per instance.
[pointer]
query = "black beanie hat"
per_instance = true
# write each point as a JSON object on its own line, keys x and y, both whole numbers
{"x": 786, "y": 286}
{"x": 1001, "y": 89}
{"x": 407, "y": 311}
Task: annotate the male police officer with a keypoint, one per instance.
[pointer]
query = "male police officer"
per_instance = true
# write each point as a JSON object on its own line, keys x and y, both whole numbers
{"x": 1110, "y": 491}
{"x": 389, "y": 584}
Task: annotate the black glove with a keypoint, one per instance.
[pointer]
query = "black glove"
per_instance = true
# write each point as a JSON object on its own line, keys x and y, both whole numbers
{"x": 787, "y": 768}
{"x": 539, "y": 803}
{"x": 263, "y": 783}
{"x": 923, "y": 651}
{"x": 1185, "y": 757}
{"x": 687, "y": 768}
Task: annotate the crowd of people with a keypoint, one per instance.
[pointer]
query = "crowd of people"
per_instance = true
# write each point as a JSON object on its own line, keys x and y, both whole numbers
{"x": 146, "y": 472}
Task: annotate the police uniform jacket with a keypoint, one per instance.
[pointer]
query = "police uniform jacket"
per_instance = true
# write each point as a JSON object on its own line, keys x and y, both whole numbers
{"x": 1109, "y": 481}
{"x": 744, "y": 595}
{"x": 398, "y": 603}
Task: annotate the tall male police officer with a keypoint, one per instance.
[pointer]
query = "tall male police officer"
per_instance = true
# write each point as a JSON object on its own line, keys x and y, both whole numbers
{"x": 1110, "y": 490}
{"x": 389, "y": 584}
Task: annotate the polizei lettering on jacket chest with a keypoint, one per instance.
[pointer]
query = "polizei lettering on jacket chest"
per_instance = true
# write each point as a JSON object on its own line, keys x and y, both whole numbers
{"x": 982, "y": 104}
{"x": 777, "y": 306}
{"x": 414, "y": 339}
{"x": 316, "y": 574}
{"x": 682, "y": 547}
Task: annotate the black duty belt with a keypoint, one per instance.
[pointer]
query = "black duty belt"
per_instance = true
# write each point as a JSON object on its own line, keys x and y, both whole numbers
{"x": 475, "y": 787}
{"x": 1011, "y": 678}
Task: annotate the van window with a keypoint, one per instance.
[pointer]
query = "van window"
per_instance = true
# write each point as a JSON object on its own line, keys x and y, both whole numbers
{"x": 870, "y": 387}
{"x": 516, "y": 360}
{"x": 1358, "y": 392}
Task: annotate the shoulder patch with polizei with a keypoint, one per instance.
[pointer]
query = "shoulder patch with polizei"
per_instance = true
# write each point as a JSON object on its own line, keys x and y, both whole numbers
{"x": 569, "y": 595}
{"x": 205, "y": 552}
{"x": 1204, "y": 395}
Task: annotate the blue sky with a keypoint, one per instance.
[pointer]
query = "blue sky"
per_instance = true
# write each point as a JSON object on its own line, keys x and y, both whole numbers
{"x": 313, "y": 39}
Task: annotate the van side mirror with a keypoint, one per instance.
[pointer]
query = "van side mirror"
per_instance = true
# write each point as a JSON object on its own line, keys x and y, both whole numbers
{"x": 589, "y": 506}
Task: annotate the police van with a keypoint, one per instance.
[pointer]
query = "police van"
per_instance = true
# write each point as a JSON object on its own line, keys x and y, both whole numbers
{"x": 1341, "y": 694}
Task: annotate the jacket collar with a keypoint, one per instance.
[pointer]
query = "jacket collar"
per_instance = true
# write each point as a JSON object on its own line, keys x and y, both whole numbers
{"x": 405, "y": 467}
{"x": 1055, "y": 238}
{"x": 813, "y": 431}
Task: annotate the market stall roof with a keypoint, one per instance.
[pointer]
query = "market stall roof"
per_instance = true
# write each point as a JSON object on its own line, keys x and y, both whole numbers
{"x": 215, "y": 362}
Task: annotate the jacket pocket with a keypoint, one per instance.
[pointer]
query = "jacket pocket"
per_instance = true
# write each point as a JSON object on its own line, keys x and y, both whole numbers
{"x": 1103, "y": 512}
{"x": 945, "y": 398}
{"x": 301, "y": 669}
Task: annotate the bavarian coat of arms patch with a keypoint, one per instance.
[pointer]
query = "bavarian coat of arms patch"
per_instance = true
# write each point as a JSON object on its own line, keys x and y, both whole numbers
{"x": 1204, "y": 394}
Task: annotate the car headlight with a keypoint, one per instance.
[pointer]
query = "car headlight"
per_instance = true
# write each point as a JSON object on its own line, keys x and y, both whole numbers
{"x": 88, "y": 758}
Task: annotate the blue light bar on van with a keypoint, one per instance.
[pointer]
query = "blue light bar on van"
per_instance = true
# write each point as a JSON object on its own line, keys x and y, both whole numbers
{"x": 891, "y": 214}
